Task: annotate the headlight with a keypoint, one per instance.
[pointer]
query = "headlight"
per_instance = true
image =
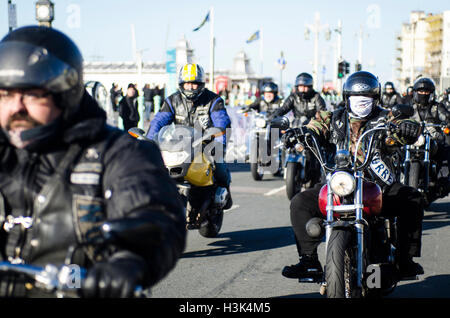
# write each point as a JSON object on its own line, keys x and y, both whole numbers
{"x": 299, "y": 147}
{"x": 174, "y": 158}
{"x": 260, "y": 122}
{"x": 342, "y": 183}
{"x": 420, "y": 141}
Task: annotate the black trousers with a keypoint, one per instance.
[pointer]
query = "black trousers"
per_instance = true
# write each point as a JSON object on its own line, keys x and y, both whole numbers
{"x": 404, "y": 202}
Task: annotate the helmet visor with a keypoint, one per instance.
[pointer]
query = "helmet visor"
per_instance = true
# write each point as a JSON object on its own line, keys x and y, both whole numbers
{"x": 25, "y": 66}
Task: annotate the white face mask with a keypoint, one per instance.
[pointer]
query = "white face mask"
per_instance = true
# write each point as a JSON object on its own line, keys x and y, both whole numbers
{"x": 361, "y": 106}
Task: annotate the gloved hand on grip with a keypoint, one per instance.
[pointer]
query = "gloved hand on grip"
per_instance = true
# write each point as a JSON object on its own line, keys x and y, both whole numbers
{"x": 409, "y": 130}
{"x": 290, "y": 137}
{"x": 115, "y": 278}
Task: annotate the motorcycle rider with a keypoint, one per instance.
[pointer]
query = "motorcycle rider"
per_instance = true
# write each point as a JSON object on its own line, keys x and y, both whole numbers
{"x": 67, "y": 172}
{"x": 427, "y": 109}
{"x": 361, "y": 93}
{"x": 446, "y": 98}
{"x": 269, "y": 101}
{"x": 194, "y": 105}
{"x": 390, "y": 96}
{"x": 407, "y": 99}
{"x": 304, "y": 101}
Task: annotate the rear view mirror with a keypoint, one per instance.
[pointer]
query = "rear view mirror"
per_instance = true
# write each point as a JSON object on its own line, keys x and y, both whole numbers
{"x": 402, "y": 111}
{"x": 280, "y": 122}
{"x": 127, "y": 231}
{"x": 137, "y": 133}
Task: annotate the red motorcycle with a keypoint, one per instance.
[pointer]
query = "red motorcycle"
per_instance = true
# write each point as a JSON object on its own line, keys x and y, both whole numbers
{"x": 360, "y": 243}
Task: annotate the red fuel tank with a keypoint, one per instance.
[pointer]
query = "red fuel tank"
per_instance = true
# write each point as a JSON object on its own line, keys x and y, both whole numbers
{"x": 372, "y": 199}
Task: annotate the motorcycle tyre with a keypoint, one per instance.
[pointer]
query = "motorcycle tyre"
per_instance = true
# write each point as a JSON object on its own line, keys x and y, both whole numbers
{"x": 212, "y": 226}
{"x": 414, "y": 174}
{"x": 340, "y": 250}
{"x": 293, "y": 184}
{"x": 255, "y": 173}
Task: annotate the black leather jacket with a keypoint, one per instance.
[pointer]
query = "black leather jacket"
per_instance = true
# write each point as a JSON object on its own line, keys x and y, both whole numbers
{"x": 91, "y": 174}
{"x": 332, "y": 130}
{"x": 261, "y": 105}
{"x": 301, "y": 107}
{"x": 389, "y": 101}
{"x": 435, "y": 113}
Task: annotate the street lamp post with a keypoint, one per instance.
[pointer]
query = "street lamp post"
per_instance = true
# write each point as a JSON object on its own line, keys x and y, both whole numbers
{"x": 413, "y": 40}
{"x": 45, "y": 12}
{"x": 338, "y": 56}
{"x": 316, "y": 28}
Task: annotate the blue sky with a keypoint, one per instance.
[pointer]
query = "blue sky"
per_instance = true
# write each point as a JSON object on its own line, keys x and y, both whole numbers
{"x": 102, "y": 29}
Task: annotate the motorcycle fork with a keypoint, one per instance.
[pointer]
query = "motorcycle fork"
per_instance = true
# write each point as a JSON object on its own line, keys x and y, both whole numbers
{"x": 359, "y": 225}
{"x": 426, "y": 164}
{"x": 407, "y": 164}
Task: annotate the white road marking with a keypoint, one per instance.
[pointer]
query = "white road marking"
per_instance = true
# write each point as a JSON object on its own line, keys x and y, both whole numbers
{"x": 276, "y": 190}
{"x": 233, "y": 207}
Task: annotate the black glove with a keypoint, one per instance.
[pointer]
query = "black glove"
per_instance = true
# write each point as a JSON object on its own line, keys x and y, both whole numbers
{"x": 289, "y": 138}
{"x": 117, "y": 277}
{"x": 409, "y": 130}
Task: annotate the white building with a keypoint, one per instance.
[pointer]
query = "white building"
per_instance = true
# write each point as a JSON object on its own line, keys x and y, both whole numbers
{"x": 445, "y": 64}
{"x": 123, "y": 73}
{"x": 424, "y": 49}
{"x": 412, "y": 49}
{"x": 154, "y": 73}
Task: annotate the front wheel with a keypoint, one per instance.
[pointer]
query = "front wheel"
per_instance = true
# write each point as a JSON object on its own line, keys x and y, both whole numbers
{"x": 293, "y": 182}
{"x": 414, "y": 174}
{"x": 340, "y": 269}
{"x": 212, "y": 225}
{"x": 257, "y": 172}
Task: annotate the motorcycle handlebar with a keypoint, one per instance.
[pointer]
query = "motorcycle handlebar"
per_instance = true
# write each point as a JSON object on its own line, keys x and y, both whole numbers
{"x": 52, "y": 279}
{"x": 383, "y": 125}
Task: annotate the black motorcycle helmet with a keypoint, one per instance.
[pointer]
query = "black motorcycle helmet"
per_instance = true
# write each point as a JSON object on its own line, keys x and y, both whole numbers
{"x": 42, "y": 57}
{"x": 270, "y": 87}
{"x": 388, "y": 85}
{"x": 362, "y": 83}
{"x": 423, "y": 84}
{"x": 409, "y": 90}
{"x": 304, "y": 79}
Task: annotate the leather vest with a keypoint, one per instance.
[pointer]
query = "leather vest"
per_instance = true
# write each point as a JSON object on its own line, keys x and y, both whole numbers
{"x": 65, "y": 212}
{"x": 269, "y": 108}
{"x": 429, "y": 114}
{"x": 192, "y": 113}
{"x": 381, "y": 170}
{"x": 306, "y": 107}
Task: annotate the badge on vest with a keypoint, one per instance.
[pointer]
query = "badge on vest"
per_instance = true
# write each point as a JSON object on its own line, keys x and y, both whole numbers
{"x": 381, "y": 169}
{"x": 86, "y": 173}
{"x": 88, "y": 214}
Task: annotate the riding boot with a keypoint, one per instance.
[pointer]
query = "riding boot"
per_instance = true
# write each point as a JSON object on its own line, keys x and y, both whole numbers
{"x": 308, "y": 267}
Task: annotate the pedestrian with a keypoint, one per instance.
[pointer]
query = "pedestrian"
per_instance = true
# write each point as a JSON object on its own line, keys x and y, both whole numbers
{"x": 149, "y": 93}
{"x": 128, "y": 108}
{"x": 115, "y": 93}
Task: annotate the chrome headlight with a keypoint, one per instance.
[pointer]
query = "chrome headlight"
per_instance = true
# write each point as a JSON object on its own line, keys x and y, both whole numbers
{"x": 299, "y": 147}
{"x": 420, "y": 141}
{"x": 260, "y": 122}
{"x": 174, "y": 158}
{"x": 342, "y": 183}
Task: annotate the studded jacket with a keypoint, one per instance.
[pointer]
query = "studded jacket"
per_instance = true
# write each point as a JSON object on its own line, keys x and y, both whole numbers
{"x": 332, "y": 130}
{"x": 58, "y": 197}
